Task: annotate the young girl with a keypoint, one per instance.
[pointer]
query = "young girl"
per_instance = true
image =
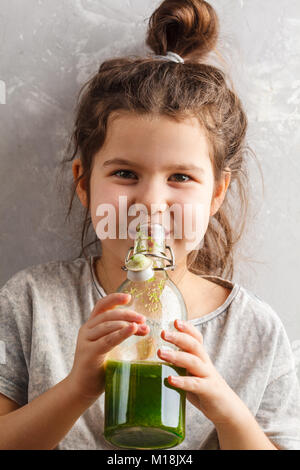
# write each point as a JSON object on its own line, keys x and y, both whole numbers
{"x": 162, "y": 129}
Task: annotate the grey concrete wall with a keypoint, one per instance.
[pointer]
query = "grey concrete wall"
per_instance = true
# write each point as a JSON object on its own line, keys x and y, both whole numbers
{"x": 49, "y": 48}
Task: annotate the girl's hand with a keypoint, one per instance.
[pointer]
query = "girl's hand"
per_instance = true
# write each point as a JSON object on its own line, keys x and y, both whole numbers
{"x": 106, "y": 328}
{"x": 205, "y": 387}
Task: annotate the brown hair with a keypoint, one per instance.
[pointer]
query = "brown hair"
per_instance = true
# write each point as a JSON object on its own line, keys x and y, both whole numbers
{"x": 149, "y": 86}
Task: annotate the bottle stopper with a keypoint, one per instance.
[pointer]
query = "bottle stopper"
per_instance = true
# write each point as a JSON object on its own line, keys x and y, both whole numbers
{"x": 139, "y": 268}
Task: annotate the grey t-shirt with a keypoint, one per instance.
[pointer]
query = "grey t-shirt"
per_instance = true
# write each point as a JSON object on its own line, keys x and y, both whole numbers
{"x": 43, "y": 306}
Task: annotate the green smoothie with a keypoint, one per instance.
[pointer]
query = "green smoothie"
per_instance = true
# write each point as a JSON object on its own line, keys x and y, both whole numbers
{"x": 142, "y": 410}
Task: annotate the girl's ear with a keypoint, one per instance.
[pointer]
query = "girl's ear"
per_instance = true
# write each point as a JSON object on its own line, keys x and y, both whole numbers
{"x": 80, "y": 188}
{"x": 220, "y": 192}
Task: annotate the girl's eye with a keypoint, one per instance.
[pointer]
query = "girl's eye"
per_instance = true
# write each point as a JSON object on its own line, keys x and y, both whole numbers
{"x": 130, "y": 172}
{"x": 181, "y": 174}
{"x": 122, "y": 171}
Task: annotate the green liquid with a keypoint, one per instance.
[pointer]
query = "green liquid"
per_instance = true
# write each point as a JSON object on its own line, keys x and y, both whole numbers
{"x": 142, "y": 410}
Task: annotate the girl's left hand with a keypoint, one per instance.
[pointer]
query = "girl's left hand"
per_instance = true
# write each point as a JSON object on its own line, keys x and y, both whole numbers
{"x": 205, "y": 387}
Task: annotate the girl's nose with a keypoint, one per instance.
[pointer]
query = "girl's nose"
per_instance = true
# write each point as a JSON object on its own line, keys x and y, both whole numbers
{"x": 153, "y": 196}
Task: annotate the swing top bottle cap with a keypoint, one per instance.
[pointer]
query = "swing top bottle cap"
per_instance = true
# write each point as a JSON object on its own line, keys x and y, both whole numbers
{"x": 138, "y": 262}
{"x": 139, "y": 268}
{"x": 149, "y": 238}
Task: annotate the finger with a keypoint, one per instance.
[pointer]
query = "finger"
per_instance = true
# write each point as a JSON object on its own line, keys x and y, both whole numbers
{"x": 116, "y": 314}
{"x": 193, "y": 364}
{"x": 143, "y": 330}
{"x": 106, "y": 328}
{"x": 106, "y": 343}
{"x": 189, "y": 328}
{"x": 194, "y": 385}
{"x": 185, "y": 342}
{"x": 109, "y": 302}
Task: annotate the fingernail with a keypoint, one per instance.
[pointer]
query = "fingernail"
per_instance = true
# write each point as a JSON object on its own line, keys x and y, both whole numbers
{"x": 168, "y": 335}
{"x": 174, "y": 379}
{"x": 180, "y": 324}
{"x": 165, "y": 352}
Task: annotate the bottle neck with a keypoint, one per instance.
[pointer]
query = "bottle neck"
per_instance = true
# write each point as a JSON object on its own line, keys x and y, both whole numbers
{"x": 151, "y": 242}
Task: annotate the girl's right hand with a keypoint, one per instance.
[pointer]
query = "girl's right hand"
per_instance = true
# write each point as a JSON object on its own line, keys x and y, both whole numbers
{"x": 106, "y": 328}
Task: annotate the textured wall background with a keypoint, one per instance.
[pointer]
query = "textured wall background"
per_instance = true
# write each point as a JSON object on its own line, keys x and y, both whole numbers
{"x": 49, "y": 48}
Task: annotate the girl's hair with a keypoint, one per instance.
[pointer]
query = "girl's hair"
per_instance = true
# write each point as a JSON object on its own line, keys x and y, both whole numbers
{"x": 149, "y": 86}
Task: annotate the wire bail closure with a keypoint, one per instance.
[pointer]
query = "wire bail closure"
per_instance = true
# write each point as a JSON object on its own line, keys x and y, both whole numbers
{"x": 171, "y": 264}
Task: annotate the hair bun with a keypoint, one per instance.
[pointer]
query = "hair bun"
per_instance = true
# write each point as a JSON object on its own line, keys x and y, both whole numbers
{"x": 188, "y": 27}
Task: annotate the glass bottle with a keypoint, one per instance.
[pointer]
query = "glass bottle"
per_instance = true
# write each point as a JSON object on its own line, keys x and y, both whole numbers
{"x": 142, "y": 410}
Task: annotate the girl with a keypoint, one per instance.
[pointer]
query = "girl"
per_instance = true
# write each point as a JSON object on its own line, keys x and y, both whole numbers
{"x": 159, "y": 130}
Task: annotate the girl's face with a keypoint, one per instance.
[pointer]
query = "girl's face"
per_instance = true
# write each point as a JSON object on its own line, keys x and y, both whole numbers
{"x": 165, "y": 164}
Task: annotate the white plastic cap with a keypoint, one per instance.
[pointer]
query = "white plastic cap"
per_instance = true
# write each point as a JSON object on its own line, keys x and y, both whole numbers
{"x": 140, "y": 276}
